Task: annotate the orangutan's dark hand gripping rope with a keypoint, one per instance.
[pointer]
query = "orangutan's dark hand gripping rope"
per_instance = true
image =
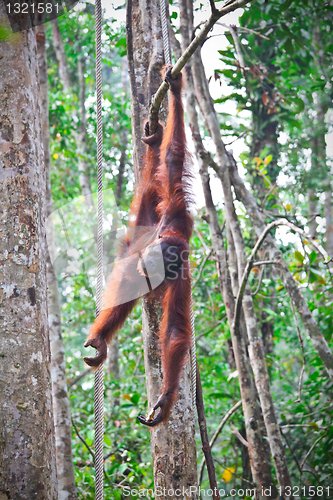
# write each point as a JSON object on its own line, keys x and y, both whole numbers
{"x": 160, "y": 225}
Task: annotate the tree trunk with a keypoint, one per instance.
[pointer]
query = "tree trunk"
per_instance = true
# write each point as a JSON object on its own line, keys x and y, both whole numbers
{"x": 173, "y": 444}
{"x": 60, "y": 54}
{"x": 62, "y": 416}
{"x": 256, "y": 350}
{"x": 27, "y": 460}
{"x": 328, "y": 211}
{"x": 259, "y": 463}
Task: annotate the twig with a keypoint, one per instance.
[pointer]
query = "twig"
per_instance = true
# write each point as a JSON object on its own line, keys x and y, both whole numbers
{"x": 136, "y": 366}
{"x": 291, "y": 450}
{"x": 214, "y": 17}
{"x": 79, "y": 377}
{"x": 250, "y": 260}
{"x": 303, "y": 353}
{"x": 238, "y": 435}
{"x": 83, "y": 441}
{"x": 222, "y": 320}
{"x": 310, "y": 450}
{"x": 239, "y": 137}
{"x": 259, "y": 284}
{"x": 204, "y": 439}
{"x": 201, "y": 268}
{"x": 264, "y": 262}
{"x": 241, "y": 28}
{"x": 238, "y": 50}
{"x": 217, "y": 432}
{"x": 233, "y": 473}
{"x": 320, "y": 410}
{"x": 303, "y": 425}
{"x": 201, "y": 239}
{"x": 270, "y": 191}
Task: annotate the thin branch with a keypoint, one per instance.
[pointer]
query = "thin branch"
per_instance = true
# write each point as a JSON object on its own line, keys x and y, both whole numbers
{"x": 233, "y": 31}
{"x": 310, "y": 450}
{"x": 217, "y": 432}
{"x": 320, "y": 410}
{"x": 250, "y": 260}
{"x": 291, "y": 450}
{"x": 261, "y": 263}
{"x": 241, "y": 28}
{"x": 286, "y": 426}
{"x": 218, "y": 323}
{"x": 202, "y": 241}
{"x": 270, "y": 191}
{"x": 233, "y": 473}
{"x": 259, "y": 284}
{"x": 204, "y": 439}
{"x": 136, "y": 366}
{"x": 82, "y": 439}
{"x": 214, "y": 17}
{"x": 239, "y": 137}
{"x": 79, "y": 377}
{"x": 201, "y": 268}
{"x": 298, "y": 400}
{"x": 238, "y": 435}
{"x": 264, "y": 262}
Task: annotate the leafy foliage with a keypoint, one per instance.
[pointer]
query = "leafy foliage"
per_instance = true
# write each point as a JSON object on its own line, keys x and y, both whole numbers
{"x": 288, "y": 72}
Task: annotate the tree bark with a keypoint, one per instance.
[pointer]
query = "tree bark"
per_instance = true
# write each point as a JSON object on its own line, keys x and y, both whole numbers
{"x": 173, "y": 444}
{"x": 60, "y": 54}
{"x": 62, "y": 416}
{"x": 27, "y": 461}
{"x": 328, "y": 211}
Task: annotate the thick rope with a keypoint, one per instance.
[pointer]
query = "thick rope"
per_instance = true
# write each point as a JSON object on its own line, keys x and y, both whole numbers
{"x": 193, "y": 358}
{"x": 167, "y": 60}
{"x": 99, "y": 386}
{"x": 165, "y": 33}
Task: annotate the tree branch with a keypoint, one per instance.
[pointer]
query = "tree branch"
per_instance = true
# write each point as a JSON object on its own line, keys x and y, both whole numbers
{"x": 204, "y": 439}
{"x": 238, "y": 50}
{"x": 217, "y": 432}
{"x": 202, "y": 268}
{"x": 214, "y": 17}
{"x": 310, "y": 450}
{"x": 257, "y": 246}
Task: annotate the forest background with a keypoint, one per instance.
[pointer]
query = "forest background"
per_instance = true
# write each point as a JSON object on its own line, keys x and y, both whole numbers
{"x": 272, "y": 86}
{"x": 292, "y": 61}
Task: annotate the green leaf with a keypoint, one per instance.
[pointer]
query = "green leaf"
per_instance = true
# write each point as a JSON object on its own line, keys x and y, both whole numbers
{"x": 116, "y": 494}
{"x": 312, "y": 257}
{"x": 315, "y": 277}
{"x": 299, "y": 256}
{"x": 300, "y": 104}
{"x": 135, "y": 398}
{"x": 107, "y": 440}
{"x": 288, "y": 47}
{"x": 122, "y": 468}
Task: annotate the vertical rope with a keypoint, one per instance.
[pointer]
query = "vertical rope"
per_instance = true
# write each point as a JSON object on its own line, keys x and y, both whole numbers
{"x": 165, "y": 33}
{"x": 193, "y": 358}
{"x": 167, "y": 59}
{"x": 99, "y": 386}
